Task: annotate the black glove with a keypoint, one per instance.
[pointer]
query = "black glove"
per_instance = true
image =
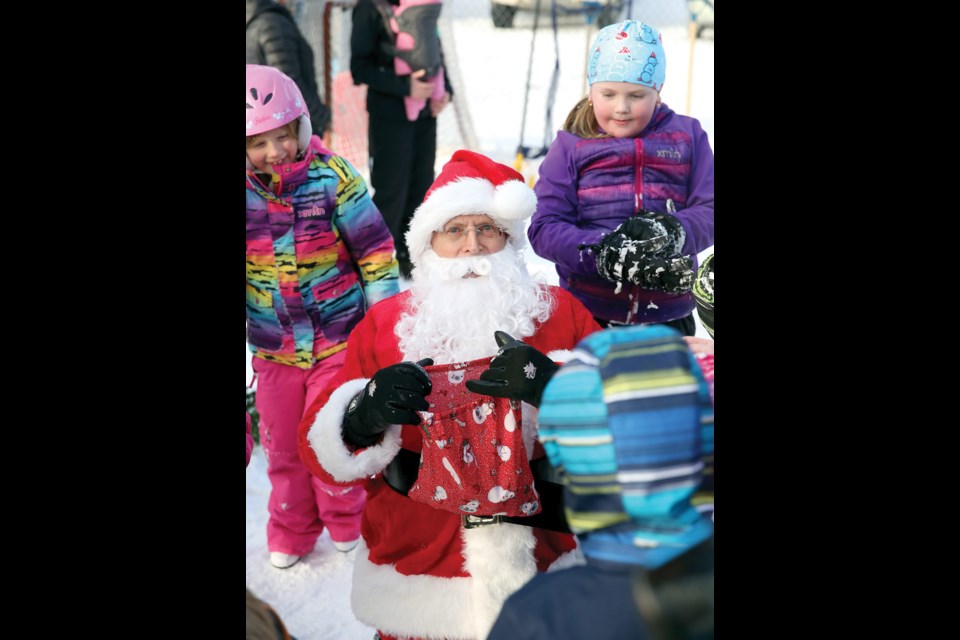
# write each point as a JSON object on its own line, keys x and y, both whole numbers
{"x": 645, "y": 250}
{"x": 393, "y": 396}
{"x": 640, "y": 234}
{"x": 644, "y": 228}
{"x": 673, "y": 275}
{"x": 617, "y": 252}
{"x": 651, "y": 224}
{"x": 518, "y": 372}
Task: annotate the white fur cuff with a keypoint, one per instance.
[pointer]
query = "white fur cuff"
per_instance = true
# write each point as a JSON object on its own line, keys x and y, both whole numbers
{"x": 332, "y": 453}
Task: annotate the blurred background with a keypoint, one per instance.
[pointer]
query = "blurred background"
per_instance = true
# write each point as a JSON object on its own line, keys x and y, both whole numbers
{"x": 503, "y": 57}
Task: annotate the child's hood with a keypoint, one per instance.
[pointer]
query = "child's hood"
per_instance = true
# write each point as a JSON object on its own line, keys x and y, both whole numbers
{"x": 626, "y": 419}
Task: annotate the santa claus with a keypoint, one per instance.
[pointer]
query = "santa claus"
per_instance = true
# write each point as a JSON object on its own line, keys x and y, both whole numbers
{"x": 422, "y": 571}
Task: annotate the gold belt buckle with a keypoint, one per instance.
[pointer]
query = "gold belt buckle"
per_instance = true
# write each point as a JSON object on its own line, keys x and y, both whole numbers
{"x": 472, "y": 522}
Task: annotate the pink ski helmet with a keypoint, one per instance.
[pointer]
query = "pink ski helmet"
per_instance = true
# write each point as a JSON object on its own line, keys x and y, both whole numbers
{"x": 273, "y": 100}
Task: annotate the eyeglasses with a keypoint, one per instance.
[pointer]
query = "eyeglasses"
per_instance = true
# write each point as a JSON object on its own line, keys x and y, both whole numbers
{"x": 456, "y": 233}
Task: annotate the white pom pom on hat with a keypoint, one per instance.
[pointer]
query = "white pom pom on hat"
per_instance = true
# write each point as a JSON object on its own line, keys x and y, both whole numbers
{"x": 471, "y": 184}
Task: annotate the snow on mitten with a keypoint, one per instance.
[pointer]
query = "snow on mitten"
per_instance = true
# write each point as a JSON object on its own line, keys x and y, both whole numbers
{"x": 672, "y": 275}
{"x": 661, "y": 224}
{"x": 620, "y": 249}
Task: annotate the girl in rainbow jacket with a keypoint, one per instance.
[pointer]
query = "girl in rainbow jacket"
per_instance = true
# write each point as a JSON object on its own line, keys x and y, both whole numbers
{"x": 318, "y": 255}
{"x": 625, "y": 194}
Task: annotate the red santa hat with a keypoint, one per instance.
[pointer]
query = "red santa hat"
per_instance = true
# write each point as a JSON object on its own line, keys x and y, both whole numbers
{"x": 471, "y": 183}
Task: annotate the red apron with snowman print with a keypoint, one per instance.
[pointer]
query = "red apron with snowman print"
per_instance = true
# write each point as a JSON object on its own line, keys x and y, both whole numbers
{"x": 473, "y": 461}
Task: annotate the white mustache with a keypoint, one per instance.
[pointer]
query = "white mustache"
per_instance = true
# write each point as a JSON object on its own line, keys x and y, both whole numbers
{"x": 449, "y": 269}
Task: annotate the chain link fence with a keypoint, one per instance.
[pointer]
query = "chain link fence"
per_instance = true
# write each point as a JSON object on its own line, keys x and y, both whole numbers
{"x": 501, "y": 57}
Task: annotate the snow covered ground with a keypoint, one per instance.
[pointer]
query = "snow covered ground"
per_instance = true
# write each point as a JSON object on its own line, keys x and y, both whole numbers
{"x": 313, "y": 596}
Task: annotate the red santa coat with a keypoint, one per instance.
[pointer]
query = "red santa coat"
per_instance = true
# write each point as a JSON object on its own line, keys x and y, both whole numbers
{"x": 418, "y": 572}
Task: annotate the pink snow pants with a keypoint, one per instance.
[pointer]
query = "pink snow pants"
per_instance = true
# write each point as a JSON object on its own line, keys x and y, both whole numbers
{"x": 300, "y": 505}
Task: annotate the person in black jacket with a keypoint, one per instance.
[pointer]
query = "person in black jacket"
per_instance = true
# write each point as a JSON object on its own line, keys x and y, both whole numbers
{"x": 273, "y": 39}
{"x": 402, "y": 152}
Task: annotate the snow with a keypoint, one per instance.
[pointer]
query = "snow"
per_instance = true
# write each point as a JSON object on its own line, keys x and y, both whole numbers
{"x": 313, "y": 596}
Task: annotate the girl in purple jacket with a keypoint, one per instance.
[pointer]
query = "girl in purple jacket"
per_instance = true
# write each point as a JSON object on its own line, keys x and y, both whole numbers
{"x": 625, "y": 194}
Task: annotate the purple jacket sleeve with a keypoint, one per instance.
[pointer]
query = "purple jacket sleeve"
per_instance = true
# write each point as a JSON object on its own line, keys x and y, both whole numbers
{"x": 554, "y": 233}
{"x": 697, "y": 216}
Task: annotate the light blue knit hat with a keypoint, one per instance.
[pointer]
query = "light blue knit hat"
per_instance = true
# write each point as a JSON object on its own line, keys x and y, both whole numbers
{"x": 628, "y": 51}
{"x": 627, "y": 422}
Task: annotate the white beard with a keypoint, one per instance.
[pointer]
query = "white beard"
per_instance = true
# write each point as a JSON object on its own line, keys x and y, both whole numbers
{"x": 452, "y": 319}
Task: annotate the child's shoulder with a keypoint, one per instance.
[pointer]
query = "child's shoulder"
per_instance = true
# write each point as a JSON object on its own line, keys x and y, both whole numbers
{"x": 564, "y": 144}
{"x": 673, "y": 120}
{"x": 568, "y": 139}
{"x": 339, "y": 164}
{"x": 328, "y": 156}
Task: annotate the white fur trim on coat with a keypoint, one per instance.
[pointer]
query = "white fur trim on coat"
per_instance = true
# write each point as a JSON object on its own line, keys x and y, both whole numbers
{"x": 560, "y": 355}
{"x": 572, "y": 558}
{"x": 499, "y": 559}
{"x": 509, "y": 205}
{"x": 333, "y": 455}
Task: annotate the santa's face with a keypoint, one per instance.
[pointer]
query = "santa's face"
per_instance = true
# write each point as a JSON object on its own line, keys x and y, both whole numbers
{"x": 456, "y": 304}
{"x": 468, "y": 235}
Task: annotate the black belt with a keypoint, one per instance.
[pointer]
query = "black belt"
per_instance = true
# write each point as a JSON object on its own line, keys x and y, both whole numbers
{"x": 401, "y": 474}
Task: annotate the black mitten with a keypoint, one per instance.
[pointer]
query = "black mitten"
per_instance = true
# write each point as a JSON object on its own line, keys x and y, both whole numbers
{"x": 623, "y": 247}
{"x": 393, "y": 396}
{"x": 661, "y": 224}
{"x": 642, "y": 226}
{"x": 518, "y": 372}
{"x": 610, "y": 254}
{"x": 645, "y": 250}
{"x": 673, "y": 274}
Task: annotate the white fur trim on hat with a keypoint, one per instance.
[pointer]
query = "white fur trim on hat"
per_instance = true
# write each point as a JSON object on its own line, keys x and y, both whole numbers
{"x": 509, "y": 205}
{"x": 327, "y": 443}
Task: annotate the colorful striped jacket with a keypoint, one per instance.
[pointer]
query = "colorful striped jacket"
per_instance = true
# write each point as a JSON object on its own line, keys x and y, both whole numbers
{"x": 318, "y": 255}
{"x": 587, "y": 187}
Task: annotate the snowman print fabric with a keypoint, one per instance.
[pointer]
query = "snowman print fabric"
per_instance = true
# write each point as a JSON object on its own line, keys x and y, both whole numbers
{"x": 473, "y": 461}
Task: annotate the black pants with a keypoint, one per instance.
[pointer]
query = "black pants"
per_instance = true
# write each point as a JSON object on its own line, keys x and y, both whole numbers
{"x": 402, "y": 155}
{"x": 687, "y": 326}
